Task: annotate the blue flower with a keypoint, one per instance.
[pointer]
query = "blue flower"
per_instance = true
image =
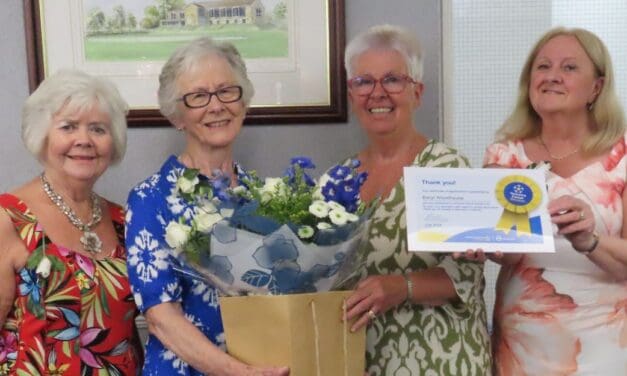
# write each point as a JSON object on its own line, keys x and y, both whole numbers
{"x": 344, "y": 184}
{"x": 339, "y": 172}
{"x": 290, "y": 172}
{"x": 302, "y": 162}
{"x": 361, "y": 178}
{"x": 29, "y": 285}
{"x": 309, "y": 180}
{"x": 220, "y": 184}
{"x": 329, "y": 191}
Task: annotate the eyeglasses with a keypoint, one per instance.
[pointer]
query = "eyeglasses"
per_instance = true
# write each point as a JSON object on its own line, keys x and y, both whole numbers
{"x": 200, "y": 99}
{"x": 391, "y": 83}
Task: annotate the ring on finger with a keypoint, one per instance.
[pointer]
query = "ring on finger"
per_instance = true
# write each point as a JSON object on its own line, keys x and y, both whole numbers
{"x": 371, "y": 314}
{"x": 582, "y": 215}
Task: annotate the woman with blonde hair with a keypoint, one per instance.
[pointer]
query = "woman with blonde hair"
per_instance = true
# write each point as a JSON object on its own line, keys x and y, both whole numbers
{"x": 566, "y": 313}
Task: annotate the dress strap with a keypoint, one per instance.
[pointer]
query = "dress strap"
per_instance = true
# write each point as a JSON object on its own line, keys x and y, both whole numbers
{"x": 25, "y": 223}
{"x": 117, "y": 218}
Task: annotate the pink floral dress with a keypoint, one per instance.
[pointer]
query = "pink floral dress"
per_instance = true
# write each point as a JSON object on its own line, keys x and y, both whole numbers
{"x": 560, "y": 314}
{"x": 77, "y": 321}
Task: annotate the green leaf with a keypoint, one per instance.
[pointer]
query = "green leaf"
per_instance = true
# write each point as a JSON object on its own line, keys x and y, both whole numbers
{"x": 66, "y": 348}
{"x": 56, "y": 263}
{"x": 190, "y": 173}
{"x": 35, "y": 258}
{"x": 105, "y": 302}
{"x": 197, "y": 245}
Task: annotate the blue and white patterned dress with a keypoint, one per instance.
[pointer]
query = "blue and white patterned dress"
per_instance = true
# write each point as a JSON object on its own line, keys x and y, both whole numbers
{"x": 151, "y": 205}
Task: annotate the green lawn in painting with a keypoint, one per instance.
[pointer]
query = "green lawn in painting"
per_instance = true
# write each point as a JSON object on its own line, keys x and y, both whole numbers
{"x": 252, "y": 42}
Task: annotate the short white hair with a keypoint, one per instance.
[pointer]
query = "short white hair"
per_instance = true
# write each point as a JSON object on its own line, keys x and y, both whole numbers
{"x": 387, "y": 37}
{"x": 73, "y": 90}
{"x": 186, "y": 58}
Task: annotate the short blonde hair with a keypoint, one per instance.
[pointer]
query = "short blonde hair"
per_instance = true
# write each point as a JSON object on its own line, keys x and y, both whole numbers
{"x": 74, "y": 90}
{"x": 607, "y": 111}
{"x": 388, "y": 37}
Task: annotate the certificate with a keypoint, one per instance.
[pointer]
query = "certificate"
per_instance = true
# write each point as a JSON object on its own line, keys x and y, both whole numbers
{"x": 455, "y": 209}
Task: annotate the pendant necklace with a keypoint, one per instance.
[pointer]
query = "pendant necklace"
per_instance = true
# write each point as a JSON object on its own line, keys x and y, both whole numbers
{"x": 557, "y": 157}
{"x": 90, "y": 240}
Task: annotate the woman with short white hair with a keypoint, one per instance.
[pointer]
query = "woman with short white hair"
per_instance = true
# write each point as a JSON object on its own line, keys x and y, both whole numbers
{"x": 204, "y": 91}
{"x": 65, "y": 301}
{"x": 424, "y": 312}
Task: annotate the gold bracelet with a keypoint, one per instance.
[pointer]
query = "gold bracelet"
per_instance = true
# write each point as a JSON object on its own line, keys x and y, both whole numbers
{"x": 595, "y": 243}
{"x": 410, "y": 288}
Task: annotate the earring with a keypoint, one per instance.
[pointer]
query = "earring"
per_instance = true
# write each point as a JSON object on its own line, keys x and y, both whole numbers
{"x": 590, "y": 106}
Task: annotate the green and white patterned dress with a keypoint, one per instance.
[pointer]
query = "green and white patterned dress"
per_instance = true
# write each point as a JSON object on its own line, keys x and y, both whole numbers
{"x": 414, "y": 339}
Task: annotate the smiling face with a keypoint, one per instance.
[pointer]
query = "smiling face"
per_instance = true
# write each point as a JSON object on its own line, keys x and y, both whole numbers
{"x": 79, "y": 144}
{"x": 563, "y": 78}
{"x": 217, "y": 124}
{"x": 380, "y": 112}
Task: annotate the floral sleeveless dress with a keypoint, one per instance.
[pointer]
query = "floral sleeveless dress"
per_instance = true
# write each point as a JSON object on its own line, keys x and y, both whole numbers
{"x": 560, "y": 314}
{"x": 77, "y": 321}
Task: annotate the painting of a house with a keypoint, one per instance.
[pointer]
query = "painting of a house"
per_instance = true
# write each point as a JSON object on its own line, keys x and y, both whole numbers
{"x": 218, "y": 12}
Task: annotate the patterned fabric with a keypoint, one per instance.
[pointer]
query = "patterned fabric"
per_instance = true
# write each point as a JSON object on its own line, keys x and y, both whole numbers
{"x": 412, "y": 339}
{"x": 560, "y": 314}
{"x": 79, "y": 320}
{"x": 152, "y": 204}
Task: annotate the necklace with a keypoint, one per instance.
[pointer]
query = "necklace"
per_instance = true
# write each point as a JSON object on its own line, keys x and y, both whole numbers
{"x": 90, "y": 240}
{"x": 557, "y": 157}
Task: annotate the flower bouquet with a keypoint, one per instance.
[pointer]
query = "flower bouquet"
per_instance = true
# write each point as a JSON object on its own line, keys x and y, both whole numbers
{"x": 277, "y": 235}
{"x": 287, "y": 237}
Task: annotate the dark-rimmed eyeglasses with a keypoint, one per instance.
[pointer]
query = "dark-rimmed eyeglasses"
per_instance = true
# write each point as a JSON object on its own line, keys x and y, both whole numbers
{"x": 392, "y": 83}
{"x": 199, "y": 99}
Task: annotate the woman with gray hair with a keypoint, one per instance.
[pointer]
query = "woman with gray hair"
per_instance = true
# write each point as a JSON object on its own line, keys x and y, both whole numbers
{"x": 204, "y": 91}
{"x": 425, "y": 311}
{"x": 65, "y": 300}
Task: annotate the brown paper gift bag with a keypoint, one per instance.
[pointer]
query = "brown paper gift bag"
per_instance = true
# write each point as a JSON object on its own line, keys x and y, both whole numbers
{"x": 302, "y": 331}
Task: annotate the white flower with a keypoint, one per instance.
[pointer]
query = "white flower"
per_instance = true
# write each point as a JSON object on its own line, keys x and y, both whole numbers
{"x": 208, "y": 207}
{"x": 265, "y": 196}
{"x": 319, "y": 208}
{"x": 336, "y": 206}
{"x": 338, "y": 217}
{"x": 323, "y": 226}
{"x": 273, "y": 187}
{"x": 305, "y": 232}
{"x": 239, "y": 190}
{"x": 205, "y": 221}
{"x": 227, "y": 212}
{"x": 176, "y": 234}
{"x": 350, "y": 217}
{"x": 185, "y": 185}
{"x": 43, "y": 268}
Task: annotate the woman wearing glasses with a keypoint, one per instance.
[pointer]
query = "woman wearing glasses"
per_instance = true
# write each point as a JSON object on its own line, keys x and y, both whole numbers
{"x": 425, "y": 311}
{"x": 204, "y": 92}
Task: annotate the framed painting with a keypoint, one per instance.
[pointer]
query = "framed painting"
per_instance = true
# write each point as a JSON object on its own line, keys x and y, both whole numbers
{"x": 293, "y": 49}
